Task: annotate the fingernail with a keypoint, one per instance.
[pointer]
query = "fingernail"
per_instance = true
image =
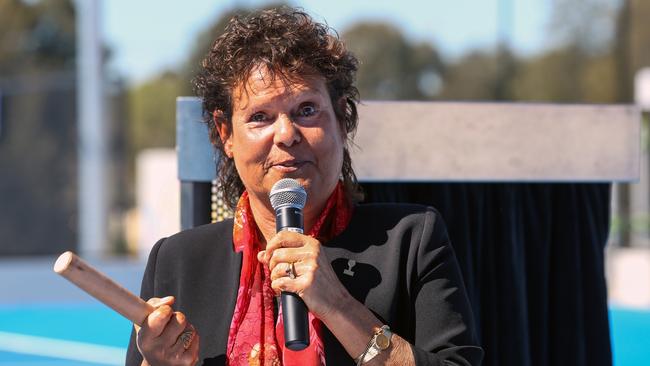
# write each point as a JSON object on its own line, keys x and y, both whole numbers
{"x": 163, "y": 300}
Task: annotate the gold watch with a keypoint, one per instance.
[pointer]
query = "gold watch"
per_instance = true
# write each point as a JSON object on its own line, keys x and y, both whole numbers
{"x": 380, "y": 341}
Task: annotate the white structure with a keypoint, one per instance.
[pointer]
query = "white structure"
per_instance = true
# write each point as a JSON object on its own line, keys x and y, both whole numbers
{"x": 497, "y": 142}
{"x": 157, "y": 198}
{"x": 93, "y": 200}
{"x": 642, "y": 88}
{"x": 628, "y": 277}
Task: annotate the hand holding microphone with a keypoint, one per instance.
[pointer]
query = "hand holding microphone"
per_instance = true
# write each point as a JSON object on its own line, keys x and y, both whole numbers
{"x": 300, "y": 270}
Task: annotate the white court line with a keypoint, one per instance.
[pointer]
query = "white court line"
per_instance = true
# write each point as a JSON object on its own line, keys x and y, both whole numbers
{"x": 57, "y": 348}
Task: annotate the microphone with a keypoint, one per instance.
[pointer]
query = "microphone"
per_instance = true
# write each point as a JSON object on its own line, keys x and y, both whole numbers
{"x": 288, "y": 199}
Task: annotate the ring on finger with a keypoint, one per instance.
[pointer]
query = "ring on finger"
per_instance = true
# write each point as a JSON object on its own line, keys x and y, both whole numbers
{"x": 291, "y": 270}
{"x": 186, "y": 338}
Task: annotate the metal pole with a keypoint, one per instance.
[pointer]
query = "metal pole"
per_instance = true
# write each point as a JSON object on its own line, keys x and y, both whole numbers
{"x": 92, "y": 220}
{"x": 642, "y": 100}
{"x": 196, "y": 163}
{"x": 1, "y": 100}
{"x": 195, "y": 204}
{"x": 504, "y": 59}
{"x": 622, "y": 62}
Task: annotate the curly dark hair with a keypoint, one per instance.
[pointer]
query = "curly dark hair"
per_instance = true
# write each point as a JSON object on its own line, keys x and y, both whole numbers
{"x": 291, "y": 45}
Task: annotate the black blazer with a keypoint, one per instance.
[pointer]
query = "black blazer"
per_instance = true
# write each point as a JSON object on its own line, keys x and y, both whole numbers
{"x": 394, "y": 258}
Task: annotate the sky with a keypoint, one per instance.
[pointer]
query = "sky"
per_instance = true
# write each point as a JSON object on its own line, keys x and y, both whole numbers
{"x": 149, "y": 36}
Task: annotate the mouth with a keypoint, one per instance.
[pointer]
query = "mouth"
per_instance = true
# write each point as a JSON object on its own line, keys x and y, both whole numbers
{"x": 288, "y": 166}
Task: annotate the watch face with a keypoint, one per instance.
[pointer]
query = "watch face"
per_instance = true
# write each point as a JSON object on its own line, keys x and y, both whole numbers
{"x": 382, "y": 341}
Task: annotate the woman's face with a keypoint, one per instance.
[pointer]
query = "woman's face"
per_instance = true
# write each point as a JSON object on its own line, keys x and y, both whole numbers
{"x": 285, "y": 130}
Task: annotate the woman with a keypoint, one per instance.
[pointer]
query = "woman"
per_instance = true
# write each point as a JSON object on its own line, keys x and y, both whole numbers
{"x": 381, "y": 282}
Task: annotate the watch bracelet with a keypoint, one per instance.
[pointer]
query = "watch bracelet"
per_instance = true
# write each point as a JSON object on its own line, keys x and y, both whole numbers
{"x": 359, "y": 360}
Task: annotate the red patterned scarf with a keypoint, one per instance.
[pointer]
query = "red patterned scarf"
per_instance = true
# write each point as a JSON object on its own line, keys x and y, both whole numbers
{"x": 253, "y": 338}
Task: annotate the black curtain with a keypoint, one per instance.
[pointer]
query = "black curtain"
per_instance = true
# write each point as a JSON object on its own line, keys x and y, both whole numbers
{"x": 532, "y": 257}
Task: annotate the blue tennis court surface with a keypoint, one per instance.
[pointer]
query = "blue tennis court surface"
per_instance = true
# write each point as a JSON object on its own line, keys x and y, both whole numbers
{"x": 71, "y": 335}
{"x": 91, "y": 335}
{"x": 630, "y": 333}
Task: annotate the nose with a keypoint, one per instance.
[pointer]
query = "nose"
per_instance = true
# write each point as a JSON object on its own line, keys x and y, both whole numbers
{"x": 286, "y": 132}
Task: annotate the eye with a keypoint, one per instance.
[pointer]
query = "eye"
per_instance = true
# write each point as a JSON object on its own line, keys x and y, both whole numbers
{"x": 307, "y": 110}
{"x": 258, "y": 117}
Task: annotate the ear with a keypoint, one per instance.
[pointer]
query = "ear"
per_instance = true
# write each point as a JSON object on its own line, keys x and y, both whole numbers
{"x": 225, "y": 133}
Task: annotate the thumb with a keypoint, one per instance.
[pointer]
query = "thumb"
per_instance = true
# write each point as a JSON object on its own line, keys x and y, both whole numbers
{"x": 158, "y": 302}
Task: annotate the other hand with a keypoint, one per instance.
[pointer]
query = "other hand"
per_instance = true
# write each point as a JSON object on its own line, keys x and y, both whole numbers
{"x": 166, "y": 337}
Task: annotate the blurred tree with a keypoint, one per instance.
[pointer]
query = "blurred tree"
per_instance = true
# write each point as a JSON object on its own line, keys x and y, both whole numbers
{"x": 36, "y": 36}
{"x": 588, "y": 25}
{"x": 639, "y": 13}
{"x": 551, "y": 77}
{"x": 598, "y": 79}
{"x": 391, "y": 67}
{"x": 581, "y": 34}
{"x": 631, "y": 45}
{"x": 477, "y": 76}
{"x": 153, "y": 111}
{"x": 579, "y": 66}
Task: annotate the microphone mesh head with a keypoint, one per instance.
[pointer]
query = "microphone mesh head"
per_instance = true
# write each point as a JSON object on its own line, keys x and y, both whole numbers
{"x": 287, "y": 192}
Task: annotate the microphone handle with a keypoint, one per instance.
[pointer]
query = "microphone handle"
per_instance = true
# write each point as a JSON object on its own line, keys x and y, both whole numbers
{"x": 294, "y": 310}
{"x": 296, "y": 324}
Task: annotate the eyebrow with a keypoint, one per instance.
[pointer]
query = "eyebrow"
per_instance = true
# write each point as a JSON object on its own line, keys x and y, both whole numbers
{"x": 306, "y": 94}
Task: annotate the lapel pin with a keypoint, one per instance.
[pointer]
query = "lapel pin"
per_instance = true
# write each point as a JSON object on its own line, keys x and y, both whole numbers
{"x": 348, "y": 271}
